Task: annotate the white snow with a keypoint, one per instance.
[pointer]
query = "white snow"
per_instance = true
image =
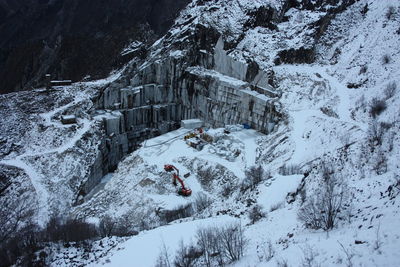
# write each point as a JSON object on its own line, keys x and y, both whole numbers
{"x": 143, "y": 249}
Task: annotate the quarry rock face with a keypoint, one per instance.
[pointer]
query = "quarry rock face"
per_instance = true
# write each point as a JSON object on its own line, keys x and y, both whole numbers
{"x": 202, "y": 82}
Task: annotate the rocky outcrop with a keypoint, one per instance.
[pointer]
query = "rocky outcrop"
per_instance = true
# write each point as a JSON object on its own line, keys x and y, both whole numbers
{"x": 296, "y": 56}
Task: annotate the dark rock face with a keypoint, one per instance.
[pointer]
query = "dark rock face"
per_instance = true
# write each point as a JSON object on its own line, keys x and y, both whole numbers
{"x": 252, "y": 71}
{"x": 263, "y": 17}
{"x": 72, "y": 38}
{"x": 292, "y": 56}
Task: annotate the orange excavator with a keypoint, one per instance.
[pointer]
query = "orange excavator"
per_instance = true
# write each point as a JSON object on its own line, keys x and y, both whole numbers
{"x": 183, "y": 191}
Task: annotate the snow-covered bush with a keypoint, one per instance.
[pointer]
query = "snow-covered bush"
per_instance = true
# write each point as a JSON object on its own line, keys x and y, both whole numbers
{"x": 265, "y": 252}
{"x": 205, "y": 176}
{"x": 322, "y": 209}
{"x": 106, "y": 226}
{"x": 70, "y": 230}
{"x": 227, "y": 189}
{"x": 256, "y": 213}
{"x": 290, "y": 169}
{"x": 376, "y": 107}
{"x": 390, "y": 90}
{"x": 254, "y": 176}
{"x": 386, "y": 59}
{"x": 163, "y": 259}
{"x": 214, "y": 246}
{"x": 187, "y": 255}
{"x": 390, "y": 12}
{"x": 201, "y": 202}
{"x": 379, "y": 163}
{"x": 376, "y": 132}
{"x": 363, "y": 69}
{"x": 276, "y": 206}
{"x": 221, "y": 245}
{"x": 182, "y": 211}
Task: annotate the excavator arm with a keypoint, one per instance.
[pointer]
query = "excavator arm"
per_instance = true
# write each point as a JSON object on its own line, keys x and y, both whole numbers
{"x": 170, "y": 168}
{"x": 183, "y": 190}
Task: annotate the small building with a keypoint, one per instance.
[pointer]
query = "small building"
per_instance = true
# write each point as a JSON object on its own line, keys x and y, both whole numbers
{"x": 68, "y": 119}
{"x": 192, "y": 123}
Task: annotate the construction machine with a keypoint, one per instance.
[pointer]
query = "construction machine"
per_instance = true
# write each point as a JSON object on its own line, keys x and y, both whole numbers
{"x": 183, "y": 191}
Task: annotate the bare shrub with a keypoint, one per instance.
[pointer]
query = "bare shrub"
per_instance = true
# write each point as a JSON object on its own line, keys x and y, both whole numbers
{"x": 163, "y": 259}
{"x": 71, "y": 230}
{"x": 390, "y": 140}
{"x": 256, "y": 213}
{"x": 376, "y": 107}
{"x": 187, "y": 256}
{"x": 309, "y": 257}
{"x": 390, "y": 90}
{"x": 386, "y": 59}
{"x": 265, "y": 252}
{"x": 379, "y": 164}
{"x": 182, "y": 211}
{"x": 107, "y": 226}
{"x": 290, "y": 169}
{"x": 360, "y": 103}
{"x": 394, "y": 189}
{"x": 205, "y": 176}
{"x": 233, "y": 242}
{"x": 390, "y": 12}
{"x": 207, "y": 241}
{"x": 322, "y": 210}
{"x": 228, "y": 189}
{"x": 201, "y": 202}
{"x": 363, "y": 69}
{"x": 377, "y": 244}
{"x": 376, "y": 132}
{"x": 221, "y": 245}
{"x": 276, "y": 206}
{"x": 282, "y": 263}
{"x": 349, "y": 255}
{"x": 124, "y": 226}
{"x": 254, "y": 176}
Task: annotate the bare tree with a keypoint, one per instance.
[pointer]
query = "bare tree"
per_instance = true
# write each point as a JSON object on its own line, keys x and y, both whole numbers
{"x": 233, "y": 242}
{"x": 14, "y": 214}
{"x": 207, "y": 240}
{"x": 323, "y": 208}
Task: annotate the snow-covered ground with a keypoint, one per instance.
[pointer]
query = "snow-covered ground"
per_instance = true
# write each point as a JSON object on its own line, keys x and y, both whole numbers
{"x": 327, "y": 104}
{"x": 329, "y": 120}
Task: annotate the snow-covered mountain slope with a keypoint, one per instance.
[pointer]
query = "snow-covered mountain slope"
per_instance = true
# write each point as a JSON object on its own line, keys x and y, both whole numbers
{"x": 54, "y": 156}
{"x": 329, "y": 105}
{"x": 328, "y": 74}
